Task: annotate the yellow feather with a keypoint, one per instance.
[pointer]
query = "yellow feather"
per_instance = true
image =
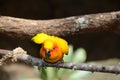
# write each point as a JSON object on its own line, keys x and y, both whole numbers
{"x": 48, "y": 44}
{"x": 62, "y": 43}
{"x": 64, "y": 46}
{"x": 40, "y": 38}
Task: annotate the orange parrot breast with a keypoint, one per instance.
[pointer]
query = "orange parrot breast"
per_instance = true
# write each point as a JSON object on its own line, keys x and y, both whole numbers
{"x": 51, "y": 55}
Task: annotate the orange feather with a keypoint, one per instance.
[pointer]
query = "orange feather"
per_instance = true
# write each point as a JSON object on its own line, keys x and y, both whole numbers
{"x": 53, "y": 48}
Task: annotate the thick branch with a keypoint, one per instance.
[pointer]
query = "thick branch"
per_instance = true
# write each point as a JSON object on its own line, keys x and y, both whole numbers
{"x": 61, "y": 27}
{"x": 38, "y": 62}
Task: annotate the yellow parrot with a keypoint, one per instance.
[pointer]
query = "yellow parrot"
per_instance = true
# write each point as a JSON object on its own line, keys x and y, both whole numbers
{"x": 53, "y": 48}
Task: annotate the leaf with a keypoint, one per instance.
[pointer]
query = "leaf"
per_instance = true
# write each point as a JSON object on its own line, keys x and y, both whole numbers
{"x": 79, "y": 75}
{"x": 61, "y": 72}
{"x": 36, "y": 69}
{"x": 68, "y": 58}
{"x": 50, "y": 73}
{"x": 43, "y": 74}
{"x": 79, "y": 56}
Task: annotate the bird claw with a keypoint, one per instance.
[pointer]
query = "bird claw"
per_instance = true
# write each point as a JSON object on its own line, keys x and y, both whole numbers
{"x": 39, "y": 68}
{"x": 59, "y": 62}
{"x": 44, "y": 64}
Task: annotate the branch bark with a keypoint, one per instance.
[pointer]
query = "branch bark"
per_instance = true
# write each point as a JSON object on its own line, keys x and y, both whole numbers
{"x": 24, "y": 28}
{"x": 21, "y": 55}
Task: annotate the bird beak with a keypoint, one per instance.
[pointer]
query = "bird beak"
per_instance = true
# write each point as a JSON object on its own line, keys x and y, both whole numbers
{"x": 47, "y": 53}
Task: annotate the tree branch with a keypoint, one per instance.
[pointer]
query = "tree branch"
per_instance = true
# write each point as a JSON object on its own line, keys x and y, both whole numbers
{"x": 21, "y": 55}
{"x": 61, "y": 27}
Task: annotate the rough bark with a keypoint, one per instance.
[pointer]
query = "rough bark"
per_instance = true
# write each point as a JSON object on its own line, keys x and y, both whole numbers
{"x": 24, "y": 28}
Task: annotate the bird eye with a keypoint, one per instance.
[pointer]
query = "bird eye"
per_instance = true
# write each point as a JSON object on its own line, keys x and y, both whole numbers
{"x": 53, "y": 48}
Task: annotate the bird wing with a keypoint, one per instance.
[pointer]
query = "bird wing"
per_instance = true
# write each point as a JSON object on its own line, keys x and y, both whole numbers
{"x": 62, "y": 44}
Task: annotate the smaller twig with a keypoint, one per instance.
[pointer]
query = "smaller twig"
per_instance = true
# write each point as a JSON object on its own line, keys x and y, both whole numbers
{"x": 3, "y": 52}
{"x": 21, "y": 55}
{"x": 11, "y": 54}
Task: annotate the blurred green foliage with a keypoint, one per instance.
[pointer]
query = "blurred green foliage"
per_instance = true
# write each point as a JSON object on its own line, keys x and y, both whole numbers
{"x": 77, "y": 56}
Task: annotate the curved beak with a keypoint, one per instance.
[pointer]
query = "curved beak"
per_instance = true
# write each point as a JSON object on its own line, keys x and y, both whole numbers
{"x": 47, "y": 53}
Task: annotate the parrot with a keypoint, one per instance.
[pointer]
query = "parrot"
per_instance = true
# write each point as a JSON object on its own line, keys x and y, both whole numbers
{"x": 52, "y": 48}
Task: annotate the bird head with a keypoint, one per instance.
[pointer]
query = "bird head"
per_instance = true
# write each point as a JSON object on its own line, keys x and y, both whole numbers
{"x": 48, "y": 46}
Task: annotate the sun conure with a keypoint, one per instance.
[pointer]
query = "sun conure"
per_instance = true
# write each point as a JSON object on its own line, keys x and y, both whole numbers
{"x": 53, "y": 48}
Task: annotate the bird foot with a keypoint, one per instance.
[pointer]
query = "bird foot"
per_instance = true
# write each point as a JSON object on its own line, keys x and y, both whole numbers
{"x": 44, "y": 64}
{"x": 59, "y": 62}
